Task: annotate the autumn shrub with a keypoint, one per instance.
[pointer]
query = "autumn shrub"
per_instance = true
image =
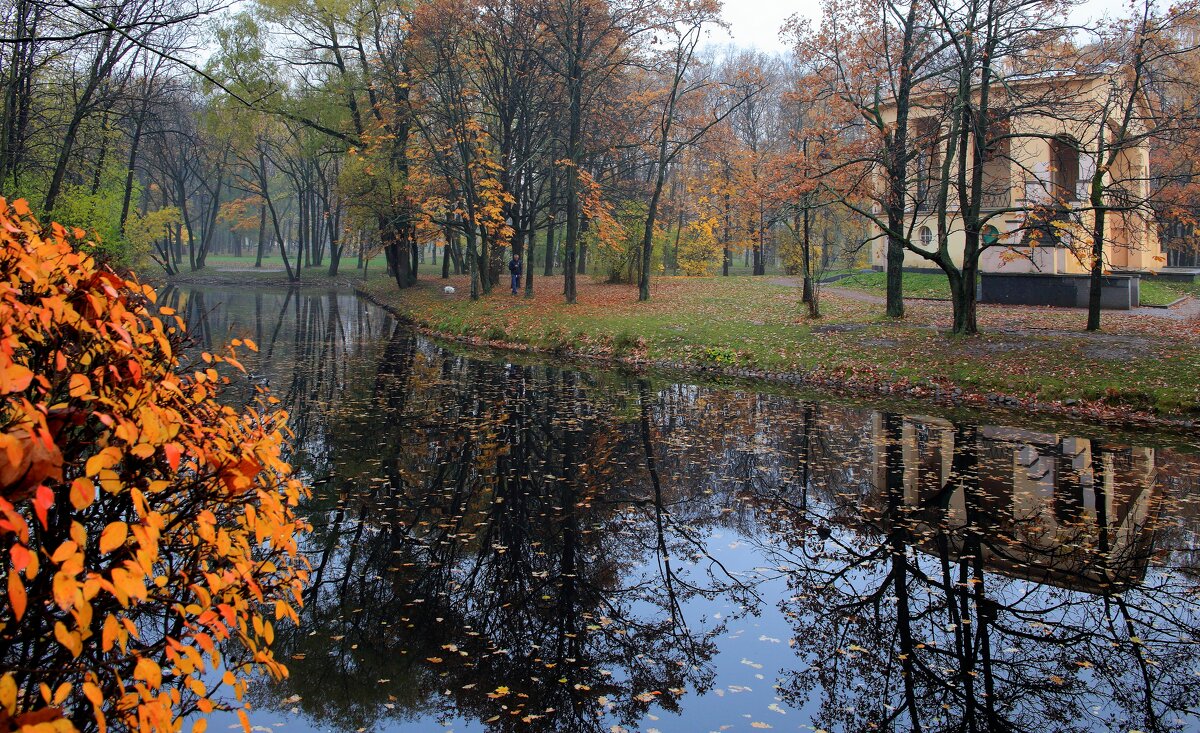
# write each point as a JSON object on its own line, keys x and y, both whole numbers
{"x": 618, "y": 257}
{"x": 147, "y": 531}
{"x": 699, "y": 248}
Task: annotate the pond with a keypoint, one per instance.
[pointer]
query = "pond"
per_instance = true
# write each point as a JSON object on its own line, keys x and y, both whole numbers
{"x": 501, "y": 543}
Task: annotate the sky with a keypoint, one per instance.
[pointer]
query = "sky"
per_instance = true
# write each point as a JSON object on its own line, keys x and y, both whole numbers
{"x": 756, "y": 23}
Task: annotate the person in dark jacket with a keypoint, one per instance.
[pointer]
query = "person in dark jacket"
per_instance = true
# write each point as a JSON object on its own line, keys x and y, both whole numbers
{"x": 514, "y": 267}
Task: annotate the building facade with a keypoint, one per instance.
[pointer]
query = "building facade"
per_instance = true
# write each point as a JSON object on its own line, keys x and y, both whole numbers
{"x": 1048, "y": 136}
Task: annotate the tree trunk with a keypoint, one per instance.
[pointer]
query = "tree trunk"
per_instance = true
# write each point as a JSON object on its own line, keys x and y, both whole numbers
{"x": 727, "y": 236}
{"x": 897, "y": 170}
{"x": 1096, "y": 280}
{"x": 336, "y": 244}
{"x": 131, "y": 169}
{"x": 648, "y": 232}
{"x": 575, "y": 156}
{"x": 448, "y": 250}
{"x": 806, "y": 254}
{"x": 581, "y": 261}
{"x": 551, "y": 224}
{"x": 262, "y": 235}
{"x": 472, "y": 261}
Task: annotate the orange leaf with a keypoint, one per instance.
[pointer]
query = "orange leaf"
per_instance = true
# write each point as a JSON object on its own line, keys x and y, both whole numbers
{"x": 149, "y": 672}
{"x": 14, "y": 378}
{"x": 16, "y": 595}
{"x": 80, "y": 385}
{"x": 20, "y": 557}
{"x": 42, "y": 502}
{"x": 83, "y": 492}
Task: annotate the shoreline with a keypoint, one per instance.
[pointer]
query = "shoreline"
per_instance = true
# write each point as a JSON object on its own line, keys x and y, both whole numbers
{"x": 424, "y": 308}
{"x": 944, "y": 396}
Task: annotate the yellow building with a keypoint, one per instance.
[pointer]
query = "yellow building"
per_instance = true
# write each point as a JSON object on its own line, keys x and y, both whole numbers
{"x": 1039, "y": 170}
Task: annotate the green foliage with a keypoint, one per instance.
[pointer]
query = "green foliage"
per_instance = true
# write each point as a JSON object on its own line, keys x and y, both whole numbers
{"x": 720, "y": 356}
{"x": 142, "y": 231}
{"x": 99, "y": 214}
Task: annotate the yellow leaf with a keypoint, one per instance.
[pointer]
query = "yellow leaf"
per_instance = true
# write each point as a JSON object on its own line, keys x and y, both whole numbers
{"x": 63, "y": 588}
{"x": 16, "y": 595}
{"x": 113, "y": 536}
{"x": 83, "y": 493}
{"x": 93, "y": 694}
{"x": 70, "y": 639}
{"x": 109, "y": 635}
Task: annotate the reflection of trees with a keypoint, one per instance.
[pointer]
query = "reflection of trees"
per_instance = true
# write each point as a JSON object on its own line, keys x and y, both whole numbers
{"x": 503, "y": 534}
{"x": 902, "y": 621}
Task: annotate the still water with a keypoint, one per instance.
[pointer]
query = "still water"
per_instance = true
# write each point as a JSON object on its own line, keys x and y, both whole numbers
{"x": 506, "y": 545}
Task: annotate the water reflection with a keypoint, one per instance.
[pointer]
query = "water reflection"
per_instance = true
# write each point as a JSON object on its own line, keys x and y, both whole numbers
{"x": 503, "y": 546}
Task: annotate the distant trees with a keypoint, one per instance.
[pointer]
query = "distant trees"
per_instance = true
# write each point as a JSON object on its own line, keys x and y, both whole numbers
{"x": 469, "y": 128}
{"x": 75, "y": 93}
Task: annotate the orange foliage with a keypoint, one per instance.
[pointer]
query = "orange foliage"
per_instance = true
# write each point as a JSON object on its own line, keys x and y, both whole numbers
{"x": 148, "y": 533}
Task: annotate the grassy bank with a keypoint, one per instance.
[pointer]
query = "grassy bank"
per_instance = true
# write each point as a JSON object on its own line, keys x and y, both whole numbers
{"x": 1026, "y": 356}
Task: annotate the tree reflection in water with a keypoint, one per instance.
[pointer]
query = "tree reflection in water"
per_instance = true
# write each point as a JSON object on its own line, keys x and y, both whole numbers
{"x": 993, "y": 580}
{"x": 534, "y": 548}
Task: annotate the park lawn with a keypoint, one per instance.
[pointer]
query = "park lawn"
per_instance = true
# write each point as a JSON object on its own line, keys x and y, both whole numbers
{"x": 1166, "y": 292}
{"x": 935, "y": 285}
{"x": 742, "y": 323}
{"x": 1152, "y": 292}
{"x": 916, "y": 284}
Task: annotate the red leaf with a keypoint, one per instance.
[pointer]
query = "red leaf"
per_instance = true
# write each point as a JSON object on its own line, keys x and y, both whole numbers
{"x": 173, "y": 453}
{"x": 42, "y": 503}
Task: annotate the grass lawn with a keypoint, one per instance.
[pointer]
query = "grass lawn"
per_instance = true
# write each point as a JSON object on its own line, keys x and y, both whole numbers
{"x": 916, "y": 284}
{"x": 1139, "y": 361}
{"x": 1159, "y": 293}
{"x": 933, "y": 285}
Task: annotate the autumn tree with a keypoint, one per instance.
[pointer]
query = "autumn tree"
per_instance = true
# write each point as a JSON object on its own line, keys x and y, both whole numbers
{"x": 588, "y": 41}
{"x": 1151, "y": 98}
{"x": 449, "y": 122}
{"x": 869, "y": 56}
{"x": 149, "y": 529}
{"x": 682, "y": 114}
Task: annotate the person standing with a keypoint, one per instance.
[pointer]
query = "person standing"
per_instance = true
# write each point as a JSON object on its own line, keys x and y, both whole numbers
{"x": 514, "y": 268}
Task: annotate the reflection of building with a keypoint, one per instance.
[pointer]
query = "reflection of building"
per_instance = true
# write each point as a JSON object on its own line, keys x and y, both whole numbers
{"x": 1061, "y": 510}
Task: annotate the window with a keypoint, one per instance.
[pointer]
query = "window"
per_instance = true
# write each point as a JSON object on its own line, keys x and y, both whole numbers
{"x": 1064, "y": 162}
{"x": 926, "y": 237}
